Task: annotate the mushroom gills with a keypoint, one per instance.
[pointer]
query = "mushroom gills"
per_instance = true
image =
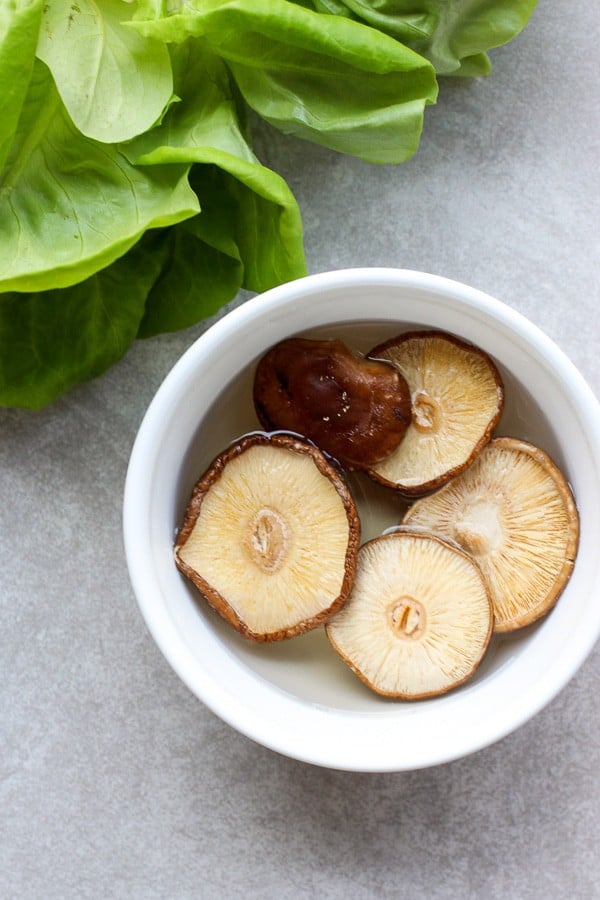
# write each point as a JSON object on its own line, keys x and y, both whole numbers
{"x": 513, "y": 511}
{"x": 419, "y": 618}
{"x": 457, "y": 398}
{"x": 270, "y": 537}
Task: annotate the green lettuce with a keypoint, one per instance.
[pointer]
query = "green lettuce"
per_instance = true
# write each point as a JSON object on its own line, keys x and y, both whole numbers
{"x": 116, "y": 83}
{"x": 19, "y": 27}
{"x": 131, "y": 201}
{"x": 71, "y": 205}
{"x": 53, "y": 340}
{"x": 248, "y": 233}
{"x": 202, "y": 271}
{"x": 329, "y": 80}
{"x": 453, "y": 34}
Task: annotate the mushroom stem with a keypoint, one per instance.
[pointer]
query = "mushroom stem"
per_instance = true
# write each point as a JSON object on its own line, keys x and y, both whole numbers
{"x": 478, "y": 530}
{"x": 407, "y": 618}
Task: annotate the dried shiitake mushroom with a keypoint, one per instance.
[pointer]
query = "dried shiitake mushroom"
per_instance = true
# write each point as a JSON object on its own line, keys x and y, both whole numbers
{"x": 513, "y": 511}
{"x": 355, "y": 409}
{"x": 419, "y": 617}
{"x": 457, "y": 398}
{"x": 270, "y": 537}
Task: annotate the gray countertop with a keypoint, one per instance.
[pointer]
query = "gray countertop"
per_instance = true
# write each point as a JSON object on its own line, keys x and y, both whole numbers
{"x": 115, "y": 781}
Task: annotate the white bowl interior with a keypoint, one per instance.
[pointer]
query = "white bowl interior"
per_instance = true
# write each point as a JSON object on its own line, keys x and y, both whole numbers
{"x": 297, "y": 696}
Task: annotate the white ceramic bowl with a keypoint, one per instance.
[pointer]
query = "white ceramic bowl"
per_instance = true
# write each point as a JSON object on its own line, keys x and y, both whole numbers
{"x": 297, "y": 697}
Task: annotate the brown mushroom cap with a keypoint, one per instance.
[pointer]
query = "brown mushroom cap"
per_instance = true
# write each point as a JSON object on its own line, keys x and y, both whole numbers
{"x": 270, "y": 537}
{"x": 457, "y": 398}
{"x": 355, "y": 409}
{"x": 419, "y": 617}
{"x": 513, "y": 511}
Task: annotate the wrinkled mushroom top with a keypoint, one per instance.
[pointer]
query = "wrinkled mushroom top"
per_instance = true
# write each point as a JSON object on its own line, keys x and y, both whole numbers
{"x": 355, "y": 409}
{"x": 457, "y": 398}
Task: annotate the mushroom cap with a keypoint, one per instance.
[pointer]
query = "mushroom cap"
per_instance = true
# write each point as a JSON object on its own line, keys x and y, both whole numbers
{"x": 270, "y": 537}
{"x": 355, "y": 409}
{"x": 513, "y": 511}
{"x": 457, "y": 398}
{"x": 419, "y": 617}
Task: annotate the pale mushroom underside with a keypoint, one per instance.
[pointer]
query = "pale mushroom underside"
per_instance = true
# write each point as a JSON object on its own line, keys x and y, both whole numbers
{"x": 457, "y": 397}
{"x": 514, "y": 512}
{"x": 418, "y": 619}
{"x": 271, "y": 539}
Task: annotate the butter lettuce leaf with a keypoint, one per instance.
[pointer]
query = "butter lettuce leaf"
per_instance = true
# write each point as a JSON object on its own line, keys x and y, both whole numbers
{"x": 453, "y": 34}
{"x": 328, "y": 79}
{"x": 249, "y": 231}
{"x": 197, "y": 278}
{"x": 53, "y": 340}
{"x": 19, "y": 27}
{"x": 114, "y": 83}
{"x": 69, "y": 206}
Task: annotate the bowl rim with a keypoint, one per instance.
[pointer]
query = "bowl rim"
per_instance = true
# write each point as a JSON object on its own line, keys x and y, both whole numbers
{"x": 303, "y": 745}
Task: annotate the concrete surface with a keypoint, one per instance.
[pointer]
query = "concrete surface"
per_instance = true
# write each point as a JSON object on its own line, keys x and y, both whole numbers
{"x": 115, "y": 781}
